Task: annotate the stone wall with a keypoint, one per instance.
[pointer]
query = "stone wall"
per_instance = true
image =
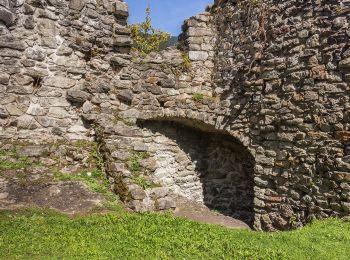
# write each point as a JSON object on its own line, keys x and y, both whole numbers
{"x": 256, "y": 125}
{"x": 207, "y": 167}
{"x": 56, "y": 57}
{"x": 283, "y": 66}
{"x": 279, "y": 87}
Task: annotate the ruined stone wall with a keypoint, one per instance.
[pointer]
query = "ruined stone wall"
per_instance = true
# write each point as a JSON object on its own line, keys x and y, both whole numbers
{"x": 283, "y": 65}
{"x": 162, "y": 85}
{"x": 266, "y": 93}
{"x": 57, "y": 56}
{"x": 279, "y": 87}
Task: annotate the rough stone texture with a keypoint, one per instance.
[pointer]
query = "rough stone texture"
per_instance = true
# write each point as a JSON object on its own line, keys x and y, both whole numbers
{"x": 53, "y": 58}
{"x": 271, "y": 75}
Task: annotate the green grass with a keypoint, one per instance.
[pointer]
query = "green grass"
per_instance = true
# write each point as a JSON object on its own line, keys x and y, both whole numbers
{"x": 16, "y": 163}
{"x": 138, "y": 173}
{"x": 38, "y": 234}
{"x": 198, "y": 97}
{"x": 186, "y": 62}
{"x": 134, "y": 162}
{"x": 10, "y": 160}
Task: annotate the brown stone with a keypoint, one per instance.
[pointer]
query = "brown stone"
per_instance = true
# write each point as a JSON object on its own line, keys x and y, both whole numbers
{"x": 343, "y": 136}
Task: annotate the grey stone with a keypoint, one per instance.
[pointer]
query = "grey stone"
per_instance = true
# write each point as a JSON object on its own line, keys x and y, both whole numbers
{"x": 166, "y": 203}
{"x": 340, "y": 22}
{"x": 122, "y": 41}
{"x": 167, "y": 83}
{"x": 7, "y": 16}
{"x": 77, "y": 5}
{"x": 260, "y": 182}
{"x": 36, "y": 110}
{"x": 159, "y": 192}
{"x": 4, "y": 3}
{"x": 126, "y": 95}
{"x": 77, "y": 97}
{"x": 345, "y": 64}
{"x": 29, "y": 10}
{"x": 118, "y": 61}
{"x": 29, "y": 22}
{"x": 58, "y": 112}
{"x": 198, "y": 55}
{"x": 199, "y": 32}
{"x": 3, "y": 112}
{"x": 13, "y": 109}
{"x": 346, "y": 207}
{"x": 37, "y": 54}
{"x": 4, "y": 195}
{"x": 121, "y": 9}
{"x": 64, "y": 50}
{"x": 12, "y": 43}
{"x": 4, "y": 78}
{"x": 27, "y": 122}
{"x": 140, "y": 147}
{"x": 33, "y": 151}
{"x": 137, "y": 193}
{"x": 59, "y": 82}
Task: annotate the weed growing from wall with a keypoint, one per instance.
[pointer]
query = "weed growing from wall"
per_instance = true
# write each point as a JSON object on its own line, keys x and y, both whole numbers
{"x": 145, "y": 37}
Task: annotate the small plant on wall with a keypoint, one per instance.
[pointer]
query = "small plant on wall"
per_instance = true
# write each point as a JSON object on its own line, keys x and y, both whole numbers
{"x": 186, "y": 62}
{"x": 145, "y": 37}
{"x": 197, "y": 97}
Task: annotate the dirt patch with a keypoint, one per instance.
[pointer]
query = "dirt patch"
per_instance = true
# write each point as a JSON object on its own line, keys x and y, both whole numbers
{"x": 197, "y": 212}
{"x": 67, "y": 197}
{"x": 35, "y": 187}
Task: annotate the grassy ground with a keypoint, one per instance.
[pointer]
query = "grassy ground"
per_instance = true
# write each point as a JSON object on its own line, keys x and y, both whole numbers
{"x": 38, "y": 234}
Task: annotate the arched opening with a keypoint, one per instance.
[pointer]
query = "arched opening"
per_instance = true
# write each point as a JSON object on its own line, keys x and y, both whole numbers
{"x": 204, "y": 165}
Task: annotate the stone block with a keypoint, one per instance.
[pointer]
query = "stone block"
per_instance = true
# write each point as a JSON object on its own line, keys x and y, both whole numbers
{"x": 121, "y": 9}
{"x": 4, "y": 78}
{"x": 7, "y": 17}
{"x": 77, "y": 5}
{"x": 33, "y": 151}
{"x": 126, "y": 95}
{"x": 59, "y": 82}
{"x": 198, "y": 55}
{"x": 119, "y": 61}
{"x": 36, "y": 110}
{"x": 122, "y": 41}
{"x": 166, "y": 203}
{"x": 346, "y": 207}
{"x": 12, "y": 43}
{"x": 344, "y": 65}
{"x": 198, "y": 32}
{"x": 137, "y": 193}
{"x": 29, "y": 22}
{"x": 77, "y": 97}
{"x": 3, "y": 112}
{"x": 58, "y": 112}
{"x": 27, "y": 122}
{"x": 260, "y": 182}
{"x": 4, "y": 3}
{"x": 13, "y": 109}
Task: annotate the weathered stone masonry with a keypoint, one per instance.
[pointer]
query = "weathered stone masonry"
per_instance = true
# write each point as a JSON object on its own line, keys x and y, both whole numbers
{"x": 257, "y": 128}
{"x": 55, "y": 55}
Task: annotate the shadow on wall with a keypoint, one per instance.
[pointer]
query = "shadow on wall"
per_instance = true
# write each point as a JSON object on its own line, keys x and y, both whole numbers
{"x": 223, "y": 166}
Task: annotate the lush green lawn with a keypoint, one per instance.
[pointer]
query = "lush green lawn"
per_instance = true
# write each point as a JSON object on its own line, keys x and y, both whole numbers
{"x": 37, "y": 234}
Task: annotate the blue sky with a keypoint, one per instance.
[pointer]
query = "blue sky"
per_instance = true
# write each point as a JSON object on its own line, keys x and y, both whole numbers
{"x": 167, "y": 15}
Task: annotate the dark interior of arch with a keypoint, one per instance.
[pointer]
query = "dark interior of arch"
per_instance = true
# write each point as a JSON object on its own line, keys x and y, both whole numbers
{"x": 224, "y": 165}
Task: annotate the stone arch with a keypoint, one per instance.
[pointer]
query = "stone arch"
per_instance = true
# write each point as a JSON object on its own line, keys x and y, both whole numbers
{"x": 203, "y": 164}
